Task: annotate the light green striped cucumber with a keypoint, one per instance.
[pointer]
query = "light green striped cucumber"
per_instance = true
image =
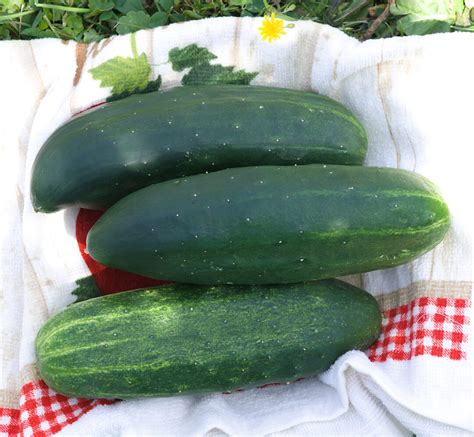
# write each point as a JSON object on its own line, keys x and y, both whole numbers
{"x": 196, "y": 339}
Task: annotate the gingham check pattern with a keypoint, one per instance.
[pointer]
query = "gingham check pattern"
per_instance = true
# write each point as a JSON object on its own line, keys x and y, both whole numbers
{"x": 43, "y": 412}
{"x": 426, "y": 326}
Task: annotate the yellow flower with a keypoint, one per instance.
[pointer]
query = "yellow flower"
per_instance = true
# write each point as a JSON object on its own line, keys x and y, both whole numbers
{"x": 272, "y": 28}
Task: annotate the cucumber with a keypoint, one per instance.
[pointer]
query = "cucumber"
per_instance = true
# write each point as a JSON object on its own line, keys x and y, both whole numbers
{"x": 272, "y": 224}
{"x": 98, "y": 158}
{"x": 196, "y": 339}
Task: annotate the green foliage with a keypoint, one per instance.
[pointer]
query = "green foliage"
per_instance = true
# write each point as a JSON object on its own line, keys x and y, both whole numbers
{"x": 126, "y": 6}
{"x": 86, "y": 289}
{"x": 426, "y": 16}
{"x": 133, "y": 21}
{"x": 11, "y": 5}
{"x": 101, "y": 5}
{"x": 92, "y": 20}
{"x": 201, "y": 71}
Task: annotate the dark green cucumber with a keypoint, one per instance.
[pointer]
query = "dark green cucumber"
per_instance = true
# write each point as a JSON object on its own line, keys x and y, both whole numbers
{"x": 272, "y": 224}
{"x": 196, "y": 339}
{"x": 98, "y": 158}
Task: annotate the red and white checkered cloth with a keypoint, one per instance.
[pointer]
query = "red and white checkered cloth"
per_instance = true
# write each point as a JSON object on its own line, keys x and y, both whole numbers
{"x": 43, "y": 412}
{"x": 426, "y": 326}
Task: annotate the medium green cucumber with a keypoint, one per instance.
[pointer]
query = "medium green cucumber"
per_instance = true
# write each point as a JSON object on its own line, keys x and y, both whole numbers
{"x": 196, "y": 339}
{"x": 272, "y": 224}
{"x": 98, "y": 158}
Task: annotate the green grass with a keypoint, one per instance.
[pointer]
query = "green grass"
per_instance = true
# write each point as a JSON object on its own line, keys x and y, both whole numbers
{"x": 92, "y": 20}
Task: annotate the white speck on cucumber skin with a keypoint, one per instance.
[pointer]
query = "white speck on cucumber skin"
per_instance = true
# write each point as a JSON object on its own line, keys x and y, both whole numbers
{"x": 260, "y": 107}
{"x": 170, "y": 122}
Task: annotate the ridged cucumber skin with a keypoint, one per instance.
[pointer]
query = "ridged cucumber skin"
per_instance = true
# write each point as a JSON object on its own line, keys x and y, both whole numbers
{"x": 180, "y": 339}
{"x": 272, "y": 225}
{"x": 98, "y": 158}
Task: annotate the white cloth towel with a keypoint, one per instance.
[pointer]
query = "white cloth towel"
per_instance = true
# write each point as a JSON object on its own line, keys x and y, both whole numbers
{"x": 414, "y": 95}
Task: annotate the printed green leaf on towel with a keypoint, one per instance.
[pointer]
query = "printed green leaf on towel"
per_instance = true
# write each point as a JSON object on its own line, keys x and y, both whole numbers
{"x": 86, "y": 289}
{"x": 202, "y": 71}
{"x": 124, "y": 75}
{"x": 131, "y": 75}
